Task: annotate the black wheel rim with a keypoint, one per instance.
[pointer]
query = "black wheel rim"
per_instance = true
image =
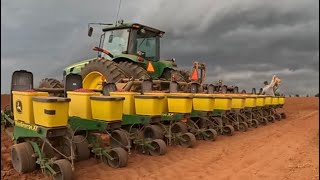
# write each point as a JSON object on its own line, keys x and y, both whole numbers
{"x": 242, "y": 127}
{"x": 255, "y": 123}
{"x": 63, "y": 170}
{"x": 226, "y": 130}
{"x": 264, "y": 121}
{"x": 187, "y": 141}
{"x": 115, "y": 163}
{"x": 271, "y": 119}
{"x": 59, "y": 175}
{"x": 156, "y": 151}
{"x": 209, "y": 137}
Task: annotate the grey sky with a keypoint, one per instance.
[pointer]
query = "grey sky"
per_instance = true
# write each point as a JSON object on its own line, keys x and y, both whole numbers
{"x": 243, "y": 42}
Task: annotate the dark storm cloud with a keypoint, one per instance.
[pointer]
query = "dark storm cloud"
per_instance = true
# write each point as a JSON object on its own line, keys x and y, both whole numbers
{"x": 243, "y": 42}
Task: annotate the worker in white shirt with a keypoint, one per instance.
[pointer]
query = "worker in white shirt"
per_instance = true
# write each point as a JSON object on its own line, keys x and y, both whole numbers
{"x": 269, "y": 89}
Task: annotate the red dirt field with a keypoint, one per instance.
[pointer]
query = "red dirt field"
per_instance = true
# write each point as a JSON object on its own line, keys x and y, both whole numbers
{"x": 5, "y": 100}
{"x": 287, "y": 149}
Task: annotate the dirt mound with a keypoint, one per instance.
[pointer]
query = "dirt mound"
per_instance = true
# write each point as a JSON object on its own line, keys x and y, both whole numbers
{"x": 288, "y": 149}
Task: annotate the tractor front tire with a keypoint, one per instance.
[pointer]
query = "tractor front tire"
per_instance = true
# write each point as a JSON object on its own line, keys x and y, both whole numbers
{"x": 179, "y": 77}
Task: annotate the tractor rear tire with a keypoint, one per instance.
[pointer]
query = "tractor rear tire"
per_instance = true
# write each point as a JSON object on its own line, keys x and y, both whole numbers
{"x": 134, "y": 70}
{"x": 167, "y": 74}
{"x": 179, "y": 77}
{"x": 51, "y": 83}
{"x": 109, "y": 69}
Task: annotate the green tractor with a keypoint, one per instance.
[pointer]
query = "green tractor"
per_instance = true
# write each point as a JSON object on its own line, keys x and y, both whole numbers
{"x": 126, "y": 50}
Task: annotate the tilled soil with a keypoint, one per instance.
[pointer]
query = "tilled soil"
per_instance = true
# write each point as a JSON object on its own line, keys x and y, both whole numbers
{"x": 287, "y": 149}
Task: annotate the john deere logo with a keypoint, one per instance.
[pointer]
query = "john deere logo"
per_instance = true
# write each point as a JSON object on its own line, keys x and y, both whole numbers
{"x": 19, "y": 106}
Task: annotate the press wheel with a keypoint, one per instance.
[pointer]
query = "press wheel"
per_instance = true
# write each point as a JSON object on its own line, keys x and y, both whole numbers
{"x": 21, "y": 157}
{"x": 120, "y": 158}
{"x": 160, "y": 147}
{"x": 63, "y": 170}
{"x": 189, "y": 140}
{"x": 211, "y": 135}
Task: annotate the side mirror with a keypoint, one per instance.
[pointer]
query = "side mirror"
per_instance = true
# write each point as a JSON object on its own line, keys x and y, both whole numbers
{"x": 90, "y": 31}
{"x": 110, "y": 38}
{"x": 141, "y": 54}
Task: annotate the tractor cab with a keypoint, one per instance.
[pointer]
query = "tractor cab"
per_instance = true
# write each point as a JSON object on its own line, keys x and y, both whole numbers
{"x": 129, "y": 38}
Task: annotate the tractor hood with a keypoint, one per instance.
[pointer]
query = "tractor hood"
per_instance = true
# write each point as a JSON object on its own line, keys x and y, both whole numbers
{"x": 169, "y": 63}
{"x": 135, "y": 58}
{"x": 76, "y": 68}
{"x": 131, "y": 57}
